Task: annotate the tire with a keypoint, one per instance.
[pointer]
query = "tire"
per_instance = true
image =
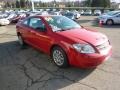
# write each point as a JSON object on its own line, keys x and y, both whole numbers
{"x": 59, "y": 57}
{"x": 20, "y": 40}
{"x": 109, "y": 22}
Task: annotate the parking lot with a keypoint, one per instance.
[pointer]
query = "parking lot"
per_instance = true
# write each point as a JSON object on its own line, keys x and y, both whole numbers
{"x": 29, "y": 69}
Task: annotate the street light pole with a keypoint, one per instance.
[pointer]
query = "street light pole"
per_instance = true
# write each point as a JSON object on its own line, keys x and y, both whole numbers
{"x": 33, "y": 8}
{"x": 54, "y": 3}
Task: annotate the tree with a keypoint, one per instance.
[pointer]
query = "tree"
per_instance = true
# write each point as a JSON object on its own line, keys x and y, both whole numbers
{"x": 13, "y": 5}
{"x": 88, "y": 3}
{"x": 22, "y": 3}
{"x": 106, "y": 3}
{"x": 17, "y": 4}
{"x": 98, "y": 3}
{"x": 27, "y": 3}
{"x": 7, "y": 4}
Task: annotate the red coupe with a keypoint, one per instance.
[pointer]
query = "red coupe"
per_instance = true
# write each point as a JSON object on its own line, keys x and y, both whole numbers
{"x": 64, "y": 40}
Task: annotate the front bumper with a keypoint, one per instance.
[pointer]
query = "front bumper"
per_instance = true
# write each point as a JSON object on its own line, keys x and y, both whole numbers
{"x": 89, "y": 60}
{"x": 101, "y": 20}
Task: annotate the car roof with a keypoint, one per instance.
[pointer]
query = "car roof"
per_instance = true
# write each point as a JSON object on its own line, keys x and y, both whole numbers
{"x": 43, "y": 16}
{"x": 115, "y": 11}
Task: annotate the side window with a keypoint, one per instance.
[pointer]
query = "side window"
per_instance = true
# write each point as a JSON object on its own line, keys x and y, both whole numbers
{"x": 37, "y": 24}
{"x": 26, "y": 22}
{"x": 119, "y": 15}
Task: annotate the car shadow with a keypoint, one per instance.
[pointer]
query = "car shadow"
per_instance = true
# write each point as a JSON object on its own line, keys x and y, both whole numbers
{"x": 112, "y": 26}
{"x": 83, "y": 21}
{"x": 55, "y": 78}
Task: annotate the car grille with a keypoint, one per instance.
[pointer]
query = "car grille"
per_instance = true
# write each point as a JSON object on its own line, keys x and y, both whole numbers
{"x": 103, "y": 46}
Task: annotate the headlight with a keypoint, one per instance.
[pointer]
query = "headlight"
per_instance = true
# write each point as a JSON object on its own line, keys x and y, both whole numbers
{"x": 84, "y": 48}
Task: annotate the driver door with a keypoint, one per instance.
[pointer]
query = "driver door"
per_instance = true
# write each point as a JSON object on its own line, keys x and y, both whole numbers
{"x": 39, "y": 35}
{"x": 117, "y": 19}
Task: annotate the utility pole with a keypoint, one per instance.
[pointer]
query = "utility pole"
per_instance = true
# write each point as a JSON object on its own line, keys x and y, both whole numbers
{"x": 33, "y": 8}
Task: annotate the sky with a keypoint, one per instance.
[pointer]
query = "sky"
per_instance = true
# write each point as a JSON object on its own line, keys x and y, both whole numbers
{"x": 118, "y": 1}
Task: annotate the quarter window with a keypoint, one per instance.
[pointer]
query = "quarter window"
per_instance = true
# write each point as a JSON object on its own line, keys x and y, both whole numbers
{"x": 26, "y": 22}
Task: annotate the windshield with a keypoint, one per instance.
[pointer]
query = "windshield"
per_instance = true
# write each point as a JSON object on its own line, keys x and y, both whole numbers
{"x": 60, "y": 23}
{"x": 112, "y": 13}
{"x": 97, "y": 10}
{"x": 88, "y": 10}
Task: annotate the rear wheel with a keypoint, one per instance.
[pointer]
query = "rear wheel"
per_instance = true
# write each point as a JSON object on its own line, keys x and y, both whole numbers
{"x": 109, "y": 22}
{"x": 59, "y": 57}
{"x": 20, "y": 40}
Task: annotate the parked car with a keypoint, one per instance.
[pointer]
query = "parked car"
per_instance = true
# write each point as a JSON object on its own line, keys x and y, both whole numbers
{"x": 44, "y": 13}
{"x": 88, "y": 12}
{"x": 18, "y": 17}
{"x": 64, "y": 40}
{"x": 76, "y": 14}
{"x": 81, "y": 12}
{"x": 11, "y": 16}
{"x": 70, "y": 15}
{"x": 97, "y": 12}
{"x": 4, "y": 22}
{"x": 3, "y": 15}
{"x": 110, "y": 18}
{"x": 54, "y": 13}
{"x": 62, "y": 12}
{"x": 106, "y": 11}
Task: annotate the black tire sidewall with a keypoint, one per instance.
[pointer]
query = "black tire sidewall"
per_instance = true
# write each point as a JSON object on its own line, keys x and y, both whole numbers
{"x": 22, "y": 40}
{"x": 108, "y": 21}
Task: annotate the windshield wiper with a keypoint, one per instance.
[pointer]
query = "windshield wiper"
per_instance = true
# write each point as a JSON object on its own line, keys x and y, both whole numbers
{"x": 70, "y": 28}
{"x": 65, "y": 29}
{"x": 60, "y": 30}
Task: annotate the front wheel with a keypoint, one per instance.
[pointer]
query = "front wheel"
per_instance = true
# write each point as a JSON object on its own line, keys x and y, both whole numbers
{"x": 109, "y": 22}
{"x": 59, "y": 57}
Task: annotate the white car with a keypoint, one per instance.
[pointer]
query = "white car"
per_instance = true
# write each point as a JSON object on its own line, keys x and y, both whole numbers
{"x": 4, "y": 22}
{"x": 88, "y": 12}
{"x": 97, "y": 12}
{"x": 76, "y": 14}
{"x": 44, "y": 13}
{"x": 81, "y": 12}
{"x": 110, "y": 18}
{"x": 106, "y": 11}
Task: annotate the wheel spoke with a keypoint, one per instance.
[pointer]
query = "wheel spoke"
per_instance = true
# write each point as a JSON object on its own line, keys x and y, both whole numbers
{"x": 58, "y": 57}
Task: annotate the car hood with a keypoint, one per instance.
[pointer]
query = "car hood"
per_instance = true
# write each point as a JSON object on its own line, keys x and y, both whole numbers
{"x": 88, "y": 36}
{"x": 105, "y": 16}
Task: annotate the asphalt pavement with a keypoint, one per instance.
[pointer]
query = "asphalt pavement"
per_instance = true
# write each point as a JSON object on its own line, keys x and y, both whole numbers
{"x": 30, "y": 69}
